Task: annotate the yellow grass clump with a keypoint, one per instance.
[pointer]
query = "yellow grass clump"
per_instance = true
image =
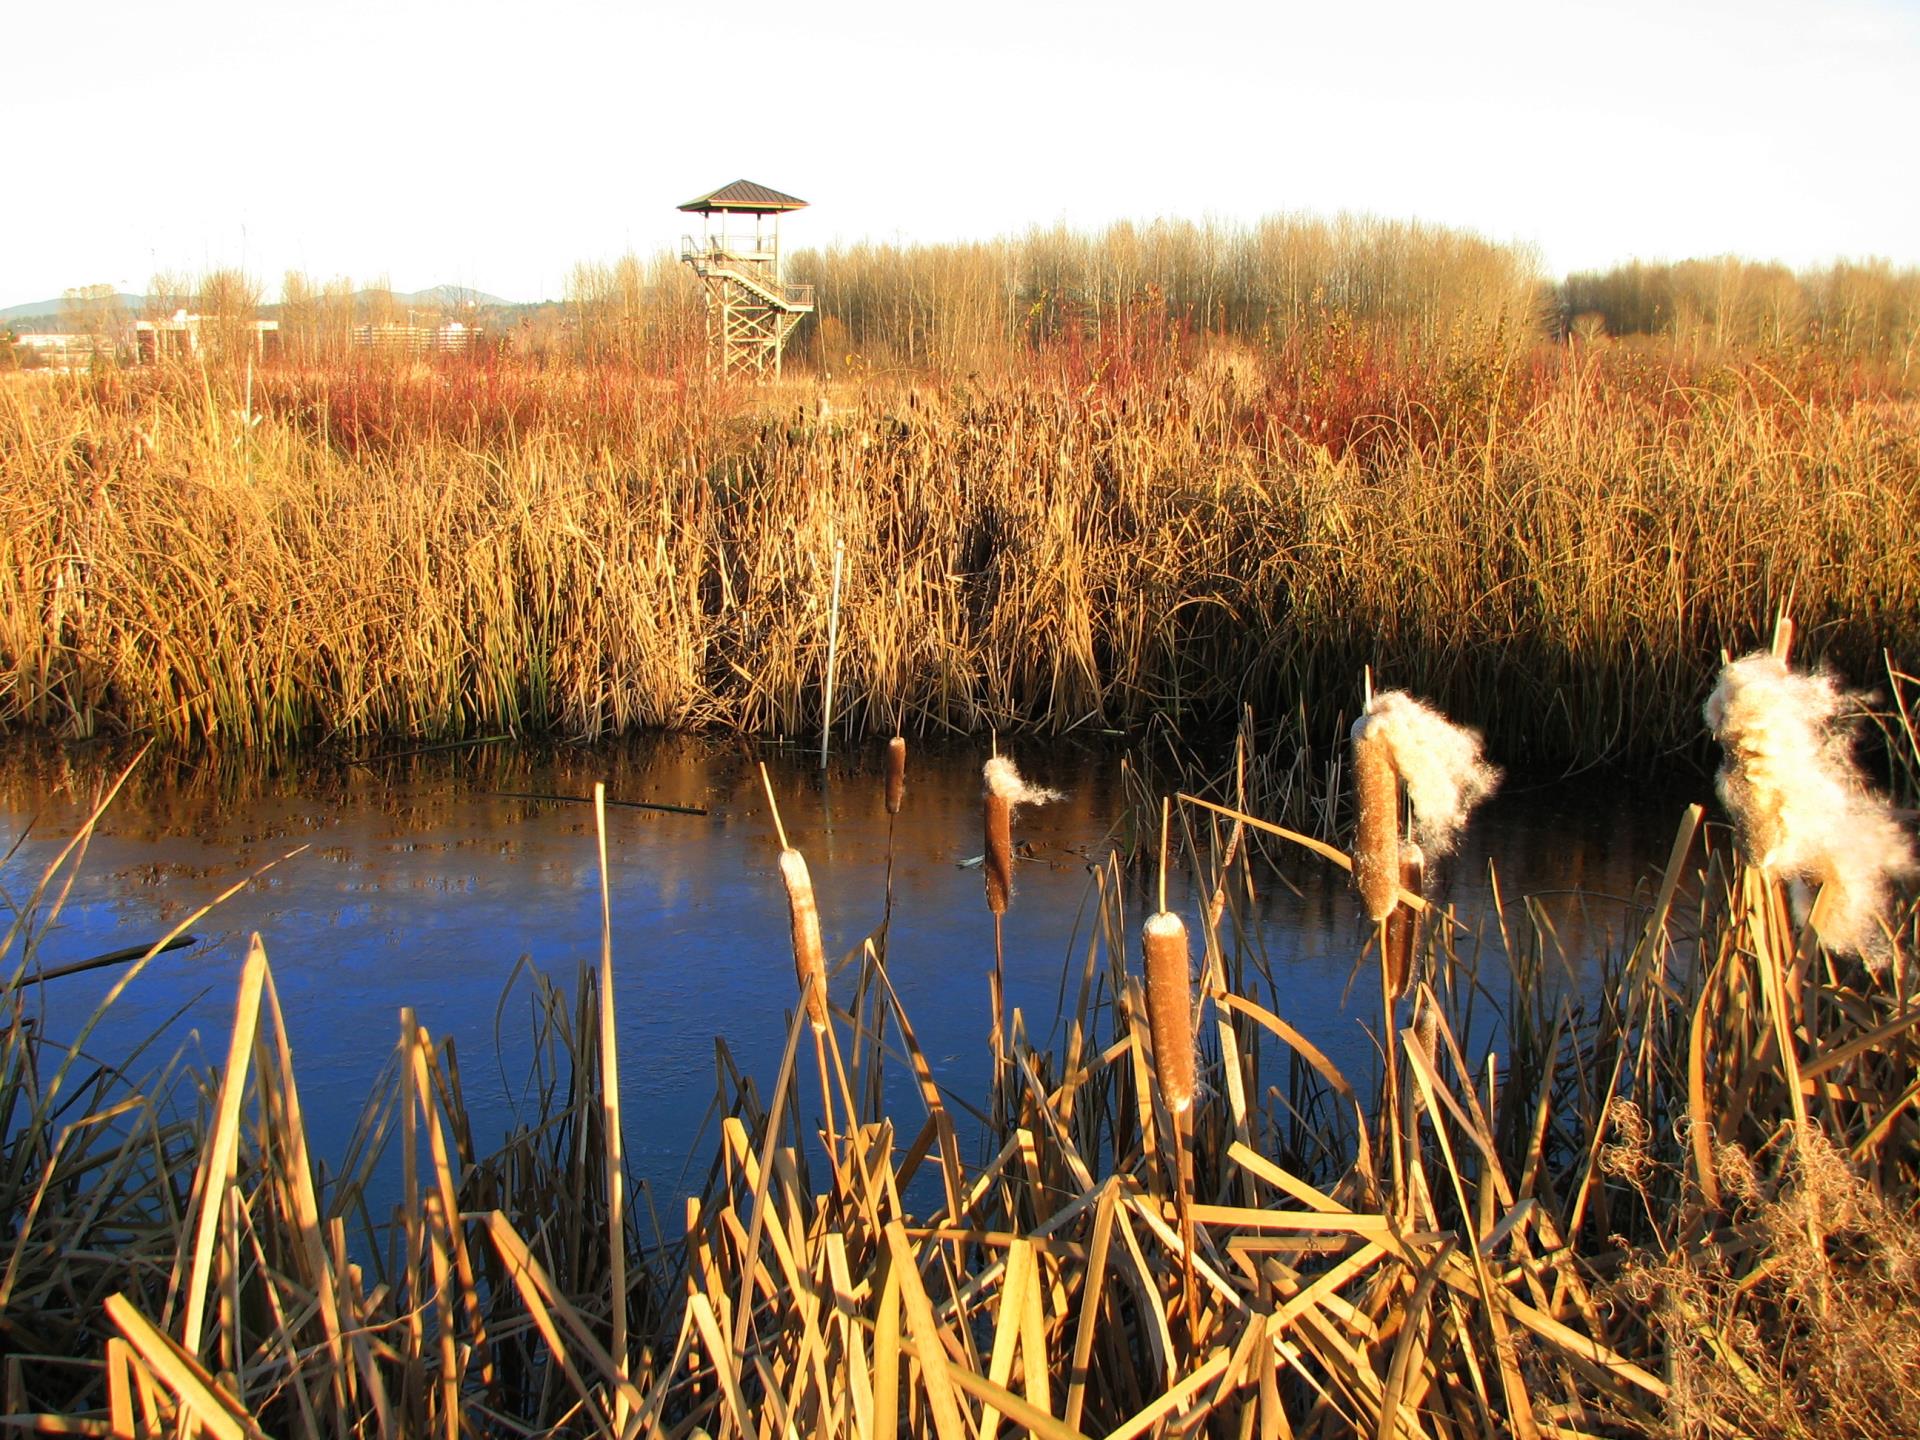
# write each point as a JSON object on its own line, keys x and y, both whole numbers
{"x": 341, "y": 553}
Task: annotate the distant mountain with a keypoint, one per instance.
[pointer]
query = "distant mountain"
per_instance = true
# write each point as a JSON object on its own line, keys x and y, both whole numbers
{"x": 437, "y": 297}
{"x": 449, "y": 296}
{"x": 45, "y": 314}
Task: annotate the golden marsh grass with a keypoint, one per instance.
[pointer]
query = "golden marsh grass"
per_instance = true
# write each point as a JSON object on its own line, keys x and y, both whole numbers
{"x": 333, "y": 555}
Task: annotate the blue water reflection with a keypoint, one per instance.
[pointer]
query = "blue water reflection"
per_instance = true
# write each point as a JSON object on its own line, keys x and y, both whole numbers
{"x": 421, "y": 884}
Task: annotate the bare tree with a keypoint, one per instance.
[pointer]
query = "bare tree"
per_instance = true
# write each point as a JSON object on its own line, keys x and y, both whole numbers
{"x": 228, "y": 304}
{"x": 95, "y": 311}
{"x": 168, "y": 293}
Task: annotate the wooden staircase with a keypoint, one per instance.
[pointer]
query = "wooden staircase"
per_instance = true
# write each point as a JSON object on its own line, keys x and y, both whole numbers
{"x": 755, "y": 310}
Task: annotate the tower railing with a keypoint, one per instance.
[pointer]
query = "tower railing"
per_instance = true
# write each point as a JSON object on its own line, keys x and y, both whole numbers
{"x": 718, "y": 254}
{"x": 727, "y": 247}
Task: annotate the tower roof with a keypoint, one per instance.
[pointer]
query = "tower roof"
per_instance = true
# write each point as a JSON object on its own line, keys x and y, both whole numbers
{"x": 744, "y": 197}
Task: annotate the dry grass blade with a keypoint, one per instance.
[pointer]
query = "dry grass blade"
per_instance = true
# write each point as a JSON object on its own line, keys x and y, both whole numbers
{"x": 221, "y": 1153}
{"x": 194, "y": 1389}
{"x": 610, "y": 1121}
{"x": 551, "y": 1314}
{"x": 943, "y": 1406}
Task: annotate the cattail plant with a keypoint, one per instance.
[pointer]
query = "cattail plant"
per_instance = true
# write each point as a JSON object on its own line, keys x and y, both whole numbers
{"x": 1170, "y": 1008}
{"x": 998, "y": 865}
{"x": 1399, "y": 741}
{"x": 896, "y": 774}
{"x": 896, "y": 795}
{"x": 1376, "y": 841}
{"x": 1801, "y": 806}
{"x": 1005, "y": 791}
{"x": 1169, "y": 965}
{"x": 1401, "y": 939}
{"x": 1170, "y": 1023}
{"x": 809, "y": 956}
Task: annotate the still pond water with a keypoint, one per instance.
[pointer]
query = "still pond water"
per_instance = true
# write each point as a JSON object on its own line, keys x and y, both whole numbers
{"x": 428, "y": 880}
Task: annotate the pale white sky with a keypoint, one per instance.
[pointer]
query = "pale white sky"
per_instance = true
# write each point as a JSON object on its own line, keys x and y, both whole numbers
{"x": 494, "y": 145}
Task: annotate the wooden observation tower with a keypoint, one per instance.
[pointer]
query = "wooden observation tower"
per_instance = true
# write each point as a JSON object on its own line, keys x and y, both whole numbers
{"x": 750, "y": 310}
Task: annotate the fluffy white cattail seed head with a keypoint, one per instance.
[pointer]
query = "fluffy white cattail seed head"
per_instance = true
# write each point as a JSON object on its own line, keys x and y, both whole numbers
{"x": 1800, "y": 803}
{"x": 809, "y": 957}
{"x": 1440, "y": 763}
{"x": 1004, "y": 780}
{"x": 1169, "y": 1008}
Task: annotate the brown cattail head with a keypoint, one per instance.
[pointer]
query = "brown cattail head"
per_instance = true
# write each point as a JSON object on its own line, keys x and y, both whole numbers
{"x": 1376, "y": 841}
{"x": 1170, "y": 1008}
{"x": 1403, "y": 923}
{"x": 1005, "y": 789}
{"x": 999, "y": 864}
{"x": 809, "y": 958}
{"x": 1426, "y": 1031}
{"x": 896, "y": 773}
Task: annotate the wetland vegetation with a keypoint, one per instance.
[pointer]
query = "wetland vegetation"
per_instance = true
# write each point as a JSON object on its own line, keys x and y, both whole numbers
{"x": 1680, "y": 1202}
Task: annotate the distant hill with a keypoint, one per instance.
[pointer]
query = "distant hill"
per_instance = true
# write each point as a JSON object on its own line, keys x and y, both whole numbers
{"x": 437, "y": 297}
{"x": 449, "y": 296}
{"x": 43, "y": 315}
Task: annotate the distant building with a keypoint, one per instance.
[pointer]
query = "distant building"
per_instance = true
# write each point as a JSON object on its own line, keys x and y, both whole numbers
{"x": 183, "y": 337}
{"x": 65, "y": 352}
{"x": 450, "y": 338}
